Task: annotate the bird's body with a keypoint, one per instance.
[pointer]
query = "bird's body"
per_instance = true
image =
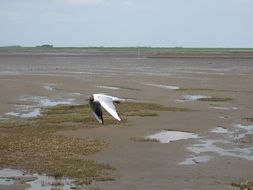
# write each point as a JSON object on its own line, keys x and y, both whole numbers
{"x": 106, "y": 101}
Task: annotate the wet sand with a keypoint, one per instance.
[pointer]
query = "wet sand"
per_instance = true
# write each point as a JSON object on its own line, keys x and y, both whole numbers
{"x": 147, "y": 165}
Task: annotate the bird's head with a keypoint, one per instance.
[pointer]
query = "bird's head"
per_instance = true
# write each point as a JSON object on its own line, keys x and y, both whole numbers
{"x": 90, "y": 98}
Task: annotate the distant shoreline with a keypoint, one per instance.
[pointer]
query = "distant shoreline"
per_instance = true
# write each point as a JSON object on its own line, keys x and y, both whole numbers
{"x": 131, "y": 52}
{"x": 17, "y": 47}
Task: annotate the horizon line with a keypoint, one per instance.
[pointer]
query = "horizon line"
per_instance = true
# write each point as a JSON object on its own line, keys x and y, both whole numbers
{"x": 120, "y": 47}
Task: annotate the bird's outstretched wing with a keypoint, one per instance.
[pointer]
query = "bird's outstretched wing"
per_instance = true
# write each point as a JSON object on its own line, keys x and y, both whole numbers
{"x": 97, "y": 111}
{"x": 107, "y": 103}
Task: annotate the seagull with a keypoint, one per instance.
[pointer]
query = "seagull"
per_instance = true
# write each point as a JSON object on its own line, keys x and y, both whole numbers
{"x": 106, "y": 101}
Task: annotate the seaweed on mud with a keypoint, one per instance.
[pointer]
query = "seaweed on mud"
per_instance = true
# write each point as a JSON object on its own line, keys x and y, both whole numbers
{"x": 32, "y": 144}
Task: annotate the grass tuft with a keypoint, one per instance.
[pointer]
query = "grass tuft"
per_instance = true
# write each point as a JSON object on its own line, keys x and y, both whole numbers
{"x": 247, "y": 185}
{"x": 215, "y": 99}
{"x": 143, "y": 139}
{"x": 249, "y": 119}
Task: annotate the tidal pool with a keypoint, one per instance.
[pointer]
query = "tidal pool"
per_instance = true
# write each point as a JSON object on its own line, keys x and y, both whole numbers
{"x": 35, "y": 181}
{"x": 222, "y": 130}
{"x": 3, "y": 118}
{"x": 223, "y": 108}
{"x": 196, "y": 160}
{"x": 49, "y": 87}
{"x": 228, "y": 143}
{"x": 32, "y": 113}
{"x": 214, "y": 146}
{"x": 169, "y": 136}
{"x": 163, "y": 86}
{"x": 108, "y": 87}
{"x": 32, "y": 105}
{"x": 194, "y": 97}
{"x": 46, "y": 101}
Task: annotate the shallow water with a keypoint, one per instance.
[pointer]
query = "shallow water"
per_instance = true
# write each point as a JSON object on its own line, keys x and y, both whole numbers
{"x": 196, "y": 160}
{"x": 221, "y": 130}
{"x": 211, "y": 146}
{"x": 169, "y": 136}
{"x": 226, "y": 144}
{"x": 194, "y": 97}
{"x": 6, "y": 174}
{"x": 36, "y": 181}
{"x": 163, "y": 86}
{"x": 223, "y": 108}
{"x": 32, "y": 105}
{"x": 109, "y": 87}
{"x": 49, "y": 87}
{"x": 247, "y": 128}
{"x": 2, "y": 118}
{"x": 33, "y": 113}
{"x": 46, "y": 101}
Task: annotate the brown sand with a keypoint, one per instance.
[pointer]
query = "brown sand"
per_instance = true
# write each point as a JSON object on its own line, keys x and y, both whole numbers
{"x": 144, "y": 165}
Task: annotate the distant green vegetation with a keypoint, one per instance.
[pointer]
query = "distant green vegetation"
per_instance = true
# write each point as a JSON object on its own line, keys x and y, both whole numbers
{"x": 45, "y": 46}
{"x": 215, "y": 99}
{"x": 142, "y": 48}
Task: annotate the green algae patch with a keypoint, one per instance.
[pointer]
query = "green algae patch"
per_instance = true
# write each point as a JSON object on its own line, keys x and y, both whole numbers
{"x": 215, "y": 99}
{"x": 146, "y": 109}
{"x": 32, "y": 144}
{"x": 246, "y": 185}
{"x": 143, "y": 139}
{"x": 249, "y": 119}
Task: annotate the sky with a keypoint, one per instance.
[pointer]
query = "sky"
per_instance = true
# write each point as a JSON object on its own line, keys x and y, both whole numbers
{"x": 157, "y": 23}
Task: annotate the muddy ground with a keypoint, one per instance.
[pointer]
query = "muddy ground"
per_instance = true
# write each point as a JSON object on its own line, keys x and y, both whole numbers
{"x": 158, "y": 79}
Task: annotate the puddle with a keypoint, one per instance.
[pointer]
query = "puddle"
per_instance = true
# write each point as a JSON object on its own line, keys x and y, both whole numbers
{"x": 196, "y": 160}
{"x": 235, "y": 142}
{"x": 223, "y": 108}
{"x": 6, "y": 176}
{"x": 6, "y": 181}
{"x": 163, "y": 86}
{"x": 10, "y": 173}
{"x": 35, "y": 181}
{"x": 35, "y": 112}
{"x": 210, "y": 146}
{"x": 75, "y": 94}
{"x": 194, "y": 97}
{"x": 32, "y": 105}
{"x": 2, "y": 118}
{"x": 248, "y": 128}
{"x": 221, "y": 130}
{"x": 223, "y": 117}
{"x": 169, "y": 136}
{"x": 109, "y": 87}
{"x": 48, "y": 183}
{"x": 45, "y": 101}
{"x": 49, "y": 87}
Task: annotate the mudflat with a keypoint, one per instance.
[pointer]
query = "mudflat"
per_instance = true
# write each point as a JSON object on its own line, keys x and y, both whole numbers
{"x": 216, "y": 86}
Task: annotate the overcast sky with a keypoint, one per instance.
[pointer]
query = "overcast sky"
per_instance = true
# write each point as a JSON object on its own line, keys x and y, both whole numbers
{"x": 170, "y": 23}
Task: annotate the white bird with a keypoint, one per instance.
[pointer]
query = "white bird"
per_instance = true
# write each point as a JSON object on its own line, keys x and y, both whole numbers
{"x": 106, "y": 101}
